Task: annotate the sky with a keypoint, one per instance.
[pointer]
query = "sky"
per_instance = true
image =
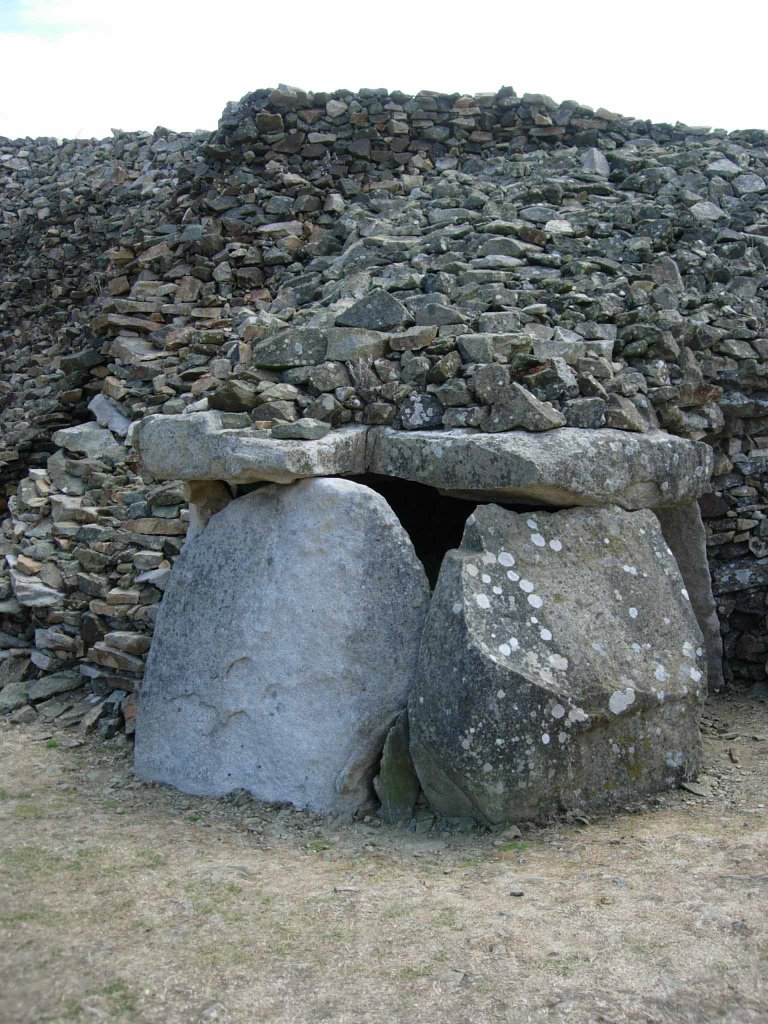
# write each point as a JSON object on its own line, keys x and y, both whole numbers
{"x": 79, "y": 68}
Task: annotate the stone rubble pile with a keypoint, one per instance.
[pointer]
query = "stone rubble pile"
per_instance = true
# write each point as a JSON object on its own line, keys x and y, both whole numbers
{"x": 375, "y": 260}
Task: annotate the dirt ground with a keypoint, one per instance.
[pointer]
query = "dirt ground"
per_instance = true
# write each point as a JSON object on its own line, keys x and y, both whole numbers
{"x": 125, "y": 902}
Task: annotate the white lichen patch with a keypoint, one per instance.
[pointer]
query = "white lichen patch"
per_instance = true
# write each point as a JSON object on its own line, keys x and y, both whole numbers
{"x": 660, "y": 673}
{"x": 633, "y": 613}
{"x": 505, "y": 649}
{"x": 532, "y": 524}
{"x": 556, "y": 545}
{"x": 621, "y": 700}
{"x": 488, "y": 558}
{"x": 631, "y": 569}
{"x": 485, "y": 578}
{"x": 684, "y": 592}
{"x": 535, "y": 601}
{"x": 526, "y": 586}
{"x": 482, "y": 600}
{"x": 472, "y": 570}
{"x": 457, "y": 608}
{"x": 545, "y": 738}
{"x": 558, "y": 711}
{"x": 545, "y": 634}
{"x": 557, "y": 661}
{"x": 577, "y": 715}
{"x": 512, "y": 575}
{"x": 506, "y": 559}
{"x": 538, "y": 540}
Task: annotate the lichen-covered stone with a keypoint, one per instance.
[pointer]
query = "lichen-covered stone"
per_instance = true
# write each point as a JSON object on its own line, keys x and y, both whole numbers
{"x": 561, "y": 667}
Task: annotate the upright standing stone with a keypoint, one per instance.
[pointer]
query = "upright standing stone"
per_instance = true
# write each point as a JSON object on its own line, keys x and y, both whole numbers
{"x": 685, "y": 534}
{"x": 285, "y": 647}
{"x": 561, "y": 667}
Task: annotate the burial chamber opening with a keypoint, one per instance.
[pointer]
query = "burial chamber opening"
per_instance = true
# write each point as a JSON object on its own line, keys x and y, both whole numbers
{"x": 434, "y": 521}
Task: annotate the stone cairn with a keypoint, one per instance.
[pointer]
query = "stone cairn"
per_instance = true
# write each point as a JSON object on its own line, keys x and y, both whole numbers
{"x": 344, "y": 339}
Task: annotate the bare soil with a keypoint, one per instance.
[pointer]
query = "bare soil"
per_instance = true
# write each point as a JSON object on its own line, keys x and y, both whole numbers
{"x": 125, "y": 902}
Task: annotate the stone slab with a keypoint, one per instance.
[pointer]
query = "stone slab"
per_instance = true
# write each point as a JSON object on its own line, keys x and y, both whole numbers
{"x": 285, "y": 647}
{"x": 685, "y": 534}
{"x": 561, "y": 666}
{"x": 197, "y": 447}
{"x": 568, "y": 466}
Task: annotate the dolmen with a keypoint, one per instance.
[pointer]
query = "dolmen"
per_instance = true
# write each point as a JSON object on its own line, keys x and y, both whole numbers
{"x": 559, "y": 662}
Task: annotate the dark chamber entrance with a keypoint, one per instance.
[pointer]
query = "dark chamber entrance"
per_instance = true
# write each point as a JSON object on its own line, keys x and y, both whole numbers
{"x": 433, "y": 521}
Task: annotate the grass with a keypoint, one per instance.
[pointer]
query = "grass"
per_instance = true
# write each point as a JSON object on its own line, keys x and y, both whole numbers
{"x": 564, "y": 965}
{"x": 146, "y": 857}
{"x": 114, "y": 1001}
{"x": 6, "y": 794}
{"x": 25, "y": 863}
{"x": 33, "y": 812}
{"x": 446, "y": 918}
{"x": 414, "y": 972}
{"x": 318, "y": 845}
{"x": 209, "y": 898}
{"x": 515, "y": 845}
{"x": 36, "y": 914}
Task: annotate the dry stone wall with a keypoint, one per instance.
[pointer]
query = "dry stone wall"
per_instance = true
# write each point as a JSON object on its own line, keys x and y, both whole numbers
{"x": 371, "y": 258}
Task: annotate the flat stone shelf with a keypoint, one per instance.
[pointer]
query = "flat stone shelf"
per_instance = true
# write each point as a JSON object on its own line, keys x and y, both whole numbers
{"x": 197, "y": 447}
{"x": 567, "y": 466}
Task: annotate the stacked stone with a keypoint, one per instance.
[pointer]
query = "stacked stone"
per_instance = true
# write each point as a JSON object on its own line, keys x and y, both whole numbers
{"x": 64, "y": 205}
{"x": 421, "y": 262}
{"x": 89, "y": 548}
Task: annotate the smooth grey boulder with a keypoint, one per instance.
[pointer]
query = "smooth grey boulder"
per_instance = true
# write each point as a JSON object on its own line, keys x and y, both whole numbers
{"x": 285, "y": 646}
{"x": 196, "y": 447}
{"x": 561, "y": 667}
{"x": 568, "y": 466}
{"x": 685, "y": 534}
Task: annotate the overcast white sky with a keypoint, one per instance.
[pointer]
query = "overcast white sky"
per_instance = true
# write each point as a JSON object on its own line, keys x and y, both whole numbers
{"x": 77, "y": 68}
